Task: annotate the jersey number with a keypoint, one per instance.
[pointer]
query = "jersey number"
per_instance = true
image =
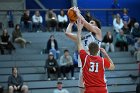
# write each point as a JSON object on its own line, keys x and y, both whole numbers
{"x": 93, "y": 67}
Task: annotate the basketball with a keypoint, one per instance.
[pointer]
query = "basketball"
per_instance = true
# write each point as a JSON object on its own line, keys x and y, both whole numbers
{"x": 72, "y": 15}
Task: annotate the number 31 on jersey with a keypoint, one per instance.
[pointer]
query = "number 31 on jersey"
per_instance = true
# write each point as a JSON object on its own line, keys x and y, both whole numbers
{"x": 93, "y": 67}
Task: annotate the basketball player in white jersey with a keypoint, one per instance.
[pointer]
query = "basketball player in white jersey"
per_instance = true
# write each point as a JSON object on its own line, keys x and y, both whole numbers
{"x": 94, "y": 35}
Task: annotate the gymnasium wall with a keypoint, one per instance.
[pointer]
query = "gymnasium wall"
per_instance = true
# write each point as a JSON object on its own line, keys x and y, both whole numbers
{"x": 105, "y": 17}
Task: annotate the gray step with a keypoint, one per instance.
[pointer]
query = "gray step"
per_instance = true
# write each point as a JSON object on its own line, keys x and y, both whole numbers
{"x": 39, "y": 77}
{"x": 16, "y": 57}
{"x": 111, "y": 89}
{"x": 34, "y": 63}
{"x": 23, "y": 70}
{"x": 35, "y": 68}
{"x": 74, "y": 89}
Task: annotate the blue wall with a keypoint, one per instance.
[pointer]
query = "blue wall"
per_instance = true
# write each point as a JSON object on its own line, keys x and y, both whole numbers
{"x": 132, "y": 5}
{"x": 54, "y": 4}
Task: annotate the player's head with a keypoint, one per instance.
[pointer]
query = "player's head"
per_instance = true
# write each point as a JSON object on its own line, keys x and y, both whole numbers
{"x": 14, "y": 70}
{"x": 66, "y": 52}
{"x": 93, "y": 48}
{"x": 95, "y": 22}
{"x": 59, "y": 85}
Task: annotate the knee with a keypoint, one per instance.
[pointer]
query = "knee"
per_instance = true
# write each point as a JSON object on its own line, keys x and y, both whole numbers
{"x": 11, "y": 88}
{"x": 25, "y": 87}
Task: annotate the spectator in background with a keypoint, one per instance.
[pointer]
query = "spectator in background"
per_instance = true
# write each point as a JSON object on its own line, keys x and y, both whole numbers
{"x": 108, "y": 42}
{"x": 136, "y": 31}
{"x": 26, "y": 21}
{"x": 60, "y": 88}
{"x": 75, "y": 58}
{"x": 62, "y": 20}
{"x": 52, "y": 66}
{"x": 88, "y": 16}
{"x": 115, "y": 5}
{"x": 37, "y": 21}
{"x": 17, "y": 37}
{"x": 6, "y": 43}
{"x": 52, "y": 46}
{"x": 15, "y": 82}
{"x": 126, "y": 29}
{"x": 137, "y": 52}
{"x": 125, "y": 16}
{"x": 51, "y": 20}
{"x": 117, "y": 23}
{"x": 121, "y": 41}
{"x": 66, "y": 64}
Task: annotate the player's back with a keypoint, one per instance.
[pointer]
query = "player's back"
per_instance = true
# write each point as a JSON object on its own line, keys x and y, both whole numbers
{"x": 93, "y": 72}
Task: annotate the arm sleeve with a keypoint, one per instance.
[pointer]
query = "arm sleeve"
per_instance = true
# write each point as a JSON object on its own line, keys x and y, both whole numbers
{"x": 83, "y": 54}
{"x": 21, "y": 81}
{"x": 41, "y": 19}
{"x": 10, "y": 81}
{"x": 106, "y": 63}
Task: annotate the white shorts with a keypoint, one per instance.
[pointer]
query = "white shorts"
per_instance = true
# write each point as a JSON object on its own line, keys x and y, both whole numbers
{"x": 80, "y": 82}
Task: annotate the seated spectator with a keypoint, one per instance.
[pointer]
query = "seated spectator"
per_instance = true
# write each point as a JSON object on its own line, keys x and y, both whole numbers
{"x": 15, "y": 82}
{"x": 108, "y": 42}
{"x": 51, "y": 20}
{"x": 75, "y": 58}
{"x": 137, "y": 52}
{"x": 62, "y": 21}
{"x": 37, "y": 21}
{"x": 6, "y": 43}
{"x": 121, "y": 41}
{"x": 52, "y": 46}
{"x": 60, "y": 88}
{"x": 66, "y": 64}
{"x": 117, "y": 23}
{"x": 126, "y": 29}
{"x": 1, "y": 89}
{"x": 26, "y": 21}
{"x": 52, "y": 66}
{"x": 88, "y": 16}
{"x": 125, "y": 16}
{"x": 17, "y": 37}
{"x": 136, "y": 31}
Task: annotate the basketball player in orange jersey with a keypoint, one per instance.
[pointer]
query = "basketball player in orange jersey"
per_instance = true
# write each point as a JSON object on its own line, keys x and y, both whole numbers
{"x": 93, "y": 66}
{"x": 94, "y": 35}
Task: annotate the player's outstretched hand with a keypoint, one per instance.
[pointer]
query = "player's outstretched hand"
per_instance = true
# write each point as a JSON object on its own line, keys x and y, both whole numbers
{"x": 79, "y": 24}
{"x": 103, "y": 51}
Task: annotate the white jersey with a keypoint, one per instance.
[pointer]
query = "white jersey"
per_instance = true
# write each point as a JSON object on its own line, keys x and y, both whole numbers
{"x": 86, "y": 40}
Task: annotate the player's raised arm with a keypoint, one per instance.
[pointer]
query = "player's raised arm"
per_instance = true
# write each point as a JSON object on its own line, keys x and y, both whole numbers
{"x": 87, "y": 25}
{"x": 69, "y": 32}
{"x": 79, "y": 42}
{"x": 112, "y": 66}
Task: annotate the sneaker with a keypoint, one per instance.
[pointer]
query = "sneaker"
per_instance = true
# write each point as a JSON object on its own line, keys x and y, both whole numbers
{"x": 64, "y": 78}
{"x": 49, "y": 79}
{"x": 28, "y": 42}
{"x": 73, "y": 78}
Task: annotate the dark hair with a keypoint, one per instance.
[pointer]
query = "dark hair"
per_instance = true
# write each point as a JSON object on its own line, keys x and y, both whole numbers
{"x": 97, "y": 22}
{"x": 17, "y": 26}
{"x": 93, "y": 48}
{"x": 59, "y": 82}
{"x": 66, "y": 50}
{"x": 13, "y": 68}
